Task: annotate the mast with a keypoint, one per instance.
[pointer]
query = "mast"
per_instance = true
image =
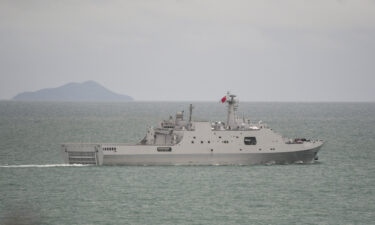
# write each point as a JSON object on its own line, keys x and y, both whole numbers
{"x": 190, "y": 114}
{"x": 231, "y": 117}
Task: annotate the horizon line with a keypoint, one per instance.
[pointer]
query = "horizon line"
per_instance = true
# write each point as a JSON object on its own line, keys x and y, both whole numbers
{"x": 199, "y": 101}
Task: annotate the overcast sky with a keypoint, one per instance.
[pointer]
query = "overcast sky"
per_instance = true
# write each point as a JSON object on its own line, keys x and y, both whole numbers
{"x": 266, "y": 50}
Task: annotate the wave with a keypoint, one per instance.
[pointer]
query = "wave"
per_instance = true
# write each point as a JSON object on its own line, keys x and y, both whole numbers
{"x": 41, "y": 166}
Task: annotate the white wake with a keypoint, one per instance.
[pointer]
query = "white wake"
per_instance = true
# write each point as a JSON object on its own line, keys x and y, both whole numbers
{"x": 41, "y": 166}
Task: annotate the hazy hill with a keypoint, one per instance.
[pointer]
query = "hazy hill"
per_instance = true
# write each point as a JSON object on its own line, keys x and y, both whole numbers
{"x": 86, "y": 91}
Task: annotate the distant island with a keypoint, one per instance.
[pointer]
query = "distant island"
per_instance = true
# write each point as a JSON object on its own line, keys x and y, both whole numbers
{"x": 86, "y": 91}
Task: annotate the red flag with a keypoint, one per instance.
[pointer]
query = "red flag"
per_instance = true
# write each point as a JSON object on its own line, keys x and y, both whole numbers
{"x": 223, "y": 99}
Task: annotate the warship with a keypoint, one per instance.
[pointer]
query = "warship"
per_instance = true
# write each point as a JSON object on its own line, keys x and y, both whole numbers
{"x": 185, "y": 142}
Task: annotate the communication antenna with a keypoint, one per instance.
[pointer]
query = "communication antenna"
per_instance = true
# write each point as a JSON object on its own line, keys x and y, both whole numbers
{"x": 190, "y": 114}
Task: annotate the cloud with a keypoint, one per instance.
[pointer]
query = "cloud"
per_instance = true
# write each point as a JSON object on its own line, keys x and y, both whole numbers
{"x": 131, "y": 44}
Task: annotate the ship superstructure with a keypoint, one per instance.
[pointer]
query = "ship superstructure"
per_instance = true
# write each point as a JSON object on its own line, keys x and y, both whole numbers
{"x": 177, "y": 141}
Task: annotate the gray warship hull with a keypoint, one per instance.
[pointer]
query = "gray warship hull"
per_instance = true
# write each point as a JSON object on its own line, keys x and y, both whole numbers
{"x": 212, "y": 148}
{"x": 180, "y": 142}
{"x": 93, "y": 154}
{"x": 307, "y": 156}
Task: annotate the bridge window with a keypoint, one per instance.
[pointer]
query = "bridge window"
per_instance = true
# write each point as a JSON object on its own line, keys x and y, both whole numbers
{"x": 250, "y": 141}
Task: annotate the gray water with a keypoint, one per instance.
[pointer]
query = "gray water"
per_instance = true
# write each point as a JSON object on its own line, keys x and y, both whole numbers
{"x": 36, "y": 188}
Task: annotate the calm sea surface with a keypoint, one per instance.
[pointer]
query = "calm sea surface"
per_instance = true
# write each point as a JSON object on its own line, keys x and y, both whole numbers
{"x": 36, "y": 188}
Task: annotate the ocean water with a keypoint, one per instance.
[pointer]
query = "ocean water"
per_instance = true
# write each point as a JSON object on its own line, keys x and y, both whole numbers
{"x": 37, "y": 188}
